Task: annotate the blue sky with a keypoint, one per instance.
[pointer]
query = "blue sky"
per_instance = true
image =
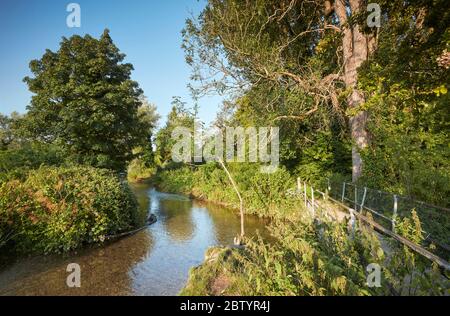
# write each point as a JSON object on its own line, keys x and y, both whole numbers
{"x": 147, "y": 31}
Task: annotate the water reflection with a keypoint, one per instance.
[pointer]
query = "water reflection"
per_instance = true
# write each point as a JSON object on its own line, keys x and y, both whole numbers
{"x": 104, "y": 271}
{"x": 153, "y": 262}
{"x": 226, "y": 227}
{"x": 176, "y": 216}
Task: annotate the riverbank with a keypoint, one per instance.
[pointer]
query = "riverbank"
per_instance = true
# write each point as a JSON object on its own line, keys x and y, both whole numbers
{"x": 60, "y": 209}
{"x": 264, "y": 195}
{"x": 154, "y": 261}
{"x": 308, "y": 256}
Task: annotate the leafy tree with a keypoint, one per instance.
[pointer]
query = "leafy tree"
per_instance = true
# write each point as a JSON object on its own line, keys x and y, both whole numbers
{"x": 298, "y": 59}
{"x": 85, "y": 101}
{"x": 336, "y": 87}
{"x": 10, "y": 132}
{"x": 406, "y": 83}
{"x": 179, "y": 116}
{"x": 149, "y": 119}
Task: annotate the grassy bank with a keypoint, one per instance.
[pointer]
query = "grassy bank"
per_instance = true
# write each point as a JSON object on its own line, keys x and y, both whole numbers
{"x": 264, "y": 195}
{"x": 306, "y": 257}
{"x": 138, "y": 172}
{"x": 310, "y": 258}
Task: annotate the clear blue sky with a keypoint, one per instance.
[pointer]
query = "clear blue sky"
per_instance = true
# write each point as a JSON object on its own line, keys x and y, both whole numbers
{"x": 147, "y": 31}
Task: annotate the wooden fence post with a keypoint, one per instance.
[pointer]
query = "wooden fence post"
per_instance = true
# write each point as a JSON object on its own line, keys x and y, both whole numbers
{"x": 306, "y": 202}
{"x": 363, "y": 199}
{"x": 394, "y": 215}
{"x": 352, "y": 221}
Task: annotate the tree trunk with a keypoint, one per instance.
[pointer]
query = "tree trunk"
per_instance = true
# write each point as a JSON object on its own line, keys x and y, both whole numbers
{"x": 356, "y": 49}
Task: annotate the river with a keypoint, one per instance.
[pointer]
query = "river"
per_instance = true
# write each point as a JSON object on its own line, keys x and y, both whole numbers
{"x": 155, "y": 261}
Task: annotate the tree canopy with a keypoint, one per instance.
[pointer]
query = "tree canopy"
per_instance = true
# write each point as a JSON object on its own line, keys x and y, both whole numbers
{"x": 85, "y": 101}
{"x": 349, "y": 97}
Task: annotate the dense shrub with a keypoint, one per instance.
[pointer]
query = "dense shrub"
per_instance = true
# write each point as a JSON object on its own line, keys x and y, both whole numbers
{"x": 57, "y": 209}
{"x": 15, "y": 163}
{"x": 139, "y": 171}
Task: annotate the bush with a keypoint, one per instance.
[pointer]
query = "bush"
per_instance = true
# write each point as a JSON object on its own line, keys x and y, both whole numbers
{"x": 58, "y": 209}
{"x": 138, "y": 171}
{"x": 17, "y": 162}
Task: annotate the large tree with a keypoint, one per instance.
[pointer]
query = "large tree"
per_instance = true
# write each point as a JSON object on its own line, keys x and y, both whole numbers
{"x": 283, "y": 48}
{"x": 85, "y": 101}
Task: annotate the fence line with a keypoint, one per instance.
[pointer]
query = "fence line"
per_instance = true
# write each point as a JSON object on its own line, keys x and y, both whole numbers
{"x": 390, "y": 207}
{"x": 313, "y": 205}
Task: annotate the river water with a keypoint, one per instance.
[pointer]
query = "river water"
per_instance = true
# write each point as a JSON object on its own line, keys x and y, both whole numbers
{"x": 155, "y": 261}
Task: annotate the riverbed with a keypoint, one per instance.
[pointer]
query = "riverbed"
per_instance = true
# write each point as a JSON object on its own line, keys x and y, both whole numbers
{"x": 155, "y": 261}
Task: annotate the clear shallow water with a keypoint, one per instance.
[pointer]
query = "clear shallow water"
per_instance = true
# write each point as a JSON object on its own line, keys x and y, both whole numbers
{"x": 155, "y": 261}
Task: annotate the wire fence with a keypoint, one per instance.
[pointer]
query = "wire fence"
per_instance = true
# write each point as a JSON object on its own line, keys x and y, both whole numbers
{"x": 387, "y": 210}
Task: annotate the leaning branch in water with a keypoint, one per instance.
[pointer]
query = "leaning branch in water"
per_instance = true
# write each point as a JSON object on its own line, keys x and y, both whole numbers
{"x": 238, "y": 194}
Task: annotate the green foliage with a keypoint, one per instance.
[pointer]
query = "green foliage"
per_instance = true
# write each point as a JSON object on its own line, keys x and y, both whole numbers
{"x": 149, "y": 119}
{"x": 85, "y": 101}
{"x": 179, "y": 116}
{"x": 284, "y": 67}
{"x": 138, "y": 170}
{"x": 315, "y": 258}
{"x": 58, "y": 209}
{"x": 179, "y": 180}
{"x": 11, "y": 131}
{"x": 413, "y": 273}
{"x": 263, "y": 194}
{"x": 6, "y": 134}
{"x": 407, "y": 97}
{"x": 282, "y": 55}
{"x": 16, "y": 163}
